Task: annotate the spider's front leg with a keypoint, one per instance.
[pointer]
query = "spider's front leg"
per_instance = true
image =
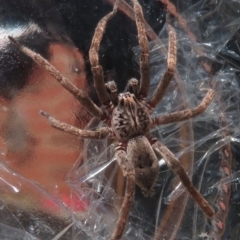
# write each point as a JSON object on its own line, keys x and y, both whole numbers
{"x": 128, "y": 172}
{"x": 94, "y": 57}
{"x": 79, "y": 94}
{"x": 168, "y": 75}
{"x": 144, "y": 59}
{"x": 178, "y": 169}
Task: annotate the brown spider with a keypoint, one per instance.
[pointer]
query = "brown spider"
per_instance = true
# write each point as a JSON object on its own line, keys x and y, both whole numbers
{"x": 128, "y": 116}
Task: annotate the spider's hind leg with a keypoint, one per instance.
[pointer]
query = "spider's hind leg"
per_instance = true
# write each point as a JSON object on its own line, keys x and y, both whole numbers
{"x": 79, "y": 94}
{"x": 129, "y": 173}
{"x": 174, "y": 164}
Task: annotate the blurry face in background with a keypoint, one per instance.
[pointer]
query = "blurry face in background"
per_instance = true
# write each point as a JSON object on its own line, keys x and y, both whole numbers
{"x": 33, "y": 148}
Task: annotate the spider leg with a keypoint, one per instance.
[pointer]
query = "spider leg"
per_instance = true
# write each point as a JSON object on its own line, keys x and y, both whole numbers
{"x": 100, "y": 133}
{"x": 178, "y": 169}
{"x": 86, "y": 102}
{"x": 94, "y": 57}
{"x": 129, "y": 173}
{"x": 185, "y": 114}
{"x": 143, "y": 42}
{"x": 167, "y": 77}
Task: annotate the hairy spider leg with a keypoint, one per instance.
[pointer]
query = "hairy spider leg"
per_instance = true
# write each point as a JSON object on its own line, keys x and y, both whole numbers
{"x": 94, "y": 57}
{"x": 184, "y": 114}
{"x": 79, "y": 94}
{"x": 129, "y": 173}
{"x": 168, "y": 75}
{"x": 144, "y": 58}
{"x": 174, "y": 164}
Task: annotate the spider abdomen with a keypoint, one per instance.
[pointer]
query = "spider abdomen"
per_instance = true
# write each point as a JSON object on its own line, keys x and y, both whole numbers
{"x": 145, "y": 163}
{"x": 130, "y": 118}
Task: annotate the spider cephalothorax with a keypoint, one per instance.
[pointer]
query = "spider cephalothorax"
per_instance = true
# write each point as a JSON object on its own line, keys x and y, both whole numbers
{"x": 128, "y": 117}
